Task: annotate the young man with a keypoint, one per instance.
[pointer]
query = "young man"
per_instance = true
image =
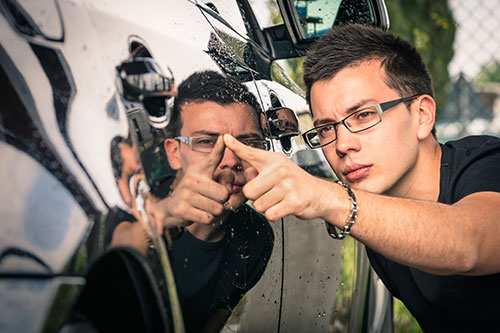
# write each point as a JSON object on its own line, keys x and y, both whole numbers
{"x": 225, "y": 245}
{"x": 426, "y": 211}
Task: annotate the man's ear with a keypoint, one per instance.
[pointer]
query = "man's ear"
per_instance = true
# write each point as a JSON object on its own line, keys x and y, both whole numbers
{"x": 173, "y": 154}
{"x": 425, "y": 107}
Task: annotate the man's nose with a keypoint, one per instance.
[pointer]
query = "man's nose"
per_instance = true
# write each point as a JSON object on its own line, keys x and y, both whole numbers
{"x": 230, "y": 161}
{"x": 346, "y": 141}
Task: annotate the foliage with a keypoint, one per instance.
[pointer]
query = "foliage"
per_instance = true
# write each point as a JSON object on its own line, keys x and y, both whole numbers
{"x": 489, "y": 73}
{"x": 403, "y": 320}
{"x": 295, "y": 70}
{"x": 344, "y": 296}
{"x": 429, "y": 26}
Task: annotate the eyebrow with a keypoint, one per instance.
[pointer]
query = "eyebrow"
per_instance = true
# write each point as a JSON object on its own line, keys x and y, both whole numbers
{"x": 251, "y": 135}
{"x": 204, "y": 133}
{"x": 346, "y": 112}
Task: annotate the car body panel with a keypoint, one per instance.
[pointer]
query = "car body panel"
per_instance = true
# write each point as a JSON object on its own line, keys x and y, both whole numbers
{"x": 61, "y": 200}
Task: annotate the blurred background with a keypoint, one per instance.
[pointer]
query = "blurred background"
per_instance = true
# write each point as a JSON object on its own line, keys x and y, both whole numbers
{"x": 460, "y": 43}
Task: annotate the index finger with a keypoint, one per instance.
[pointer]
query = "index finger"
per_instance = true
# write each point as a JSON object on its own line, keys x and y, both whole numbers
{"x": 257, "y": 158}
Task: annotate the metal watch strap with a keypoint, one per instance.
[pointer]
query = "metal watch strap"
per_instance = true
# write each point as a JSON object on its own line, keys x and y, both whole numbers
{"x": 346, "y": 230}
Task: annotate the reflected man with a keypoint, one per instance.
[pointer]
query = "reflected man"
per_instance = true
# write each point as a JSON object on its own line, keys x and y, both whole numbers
{"x": 225, "y": 245}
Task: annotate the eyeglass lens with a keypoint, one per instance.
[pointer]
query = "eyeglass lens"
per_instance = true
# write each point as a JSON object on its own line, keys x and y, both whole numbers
{"x": 207, "y": 144}
{"x": 356, "y": 122}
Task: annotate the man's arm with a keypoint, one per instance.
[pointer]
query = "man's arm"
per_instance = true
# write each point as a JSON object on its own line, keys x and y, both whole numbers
{"x": 437, "y": 238}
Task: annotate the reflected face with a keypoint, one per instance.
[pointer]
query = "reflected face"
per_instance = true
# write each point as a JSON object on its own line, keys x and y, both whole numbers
{"x": 380, "y": 159}
{"x": 211, "y": 119}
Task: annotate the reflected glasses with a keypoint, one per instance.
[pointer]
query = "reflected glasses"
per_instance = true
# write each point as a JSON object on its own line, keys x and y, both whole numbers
{"x": 205, "y": 144}
{"x": 356, "y": 122}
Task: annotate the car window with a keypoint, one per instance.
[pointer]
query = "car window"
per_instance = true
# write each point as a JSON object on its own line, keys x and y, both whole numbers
{"x": 266, "y": 12}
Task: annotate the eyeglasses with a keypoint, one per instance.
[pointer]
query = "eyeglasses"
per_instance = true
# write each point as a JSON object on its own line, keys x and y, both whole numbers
{"x": 205, "y": 144}
{"x": 356, "y": 122}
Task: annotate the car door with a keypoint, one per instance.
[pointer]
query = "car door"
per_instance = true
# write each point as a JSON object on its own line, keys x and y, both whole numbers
{"x": 69, "y": 129}
{"x": 70, "y": 123}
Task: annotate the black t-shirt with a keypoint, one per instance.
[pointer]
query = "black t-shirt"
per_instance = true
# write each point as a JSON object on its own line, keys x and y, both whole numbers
{"x": 452, "y": 303}
{"x": 211, "y": 276}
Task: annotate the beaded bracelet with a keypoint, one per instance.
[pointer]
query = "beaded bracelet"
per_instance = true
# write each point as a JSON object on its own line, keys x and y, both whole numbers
{"x": 331, "y": 229}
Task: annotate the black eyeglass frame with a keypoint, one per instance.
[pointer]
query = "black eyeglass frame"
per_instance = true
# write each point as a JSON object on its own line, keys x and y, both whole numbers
{"x": 381, "y": 107}
{"x": 189, "y": 141}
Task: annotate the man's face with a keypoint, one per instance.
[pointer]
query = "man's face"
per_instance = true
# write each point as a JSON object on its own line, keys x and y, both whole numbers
{"x": 211, "y": 119}
{"x": 380, "y": 159}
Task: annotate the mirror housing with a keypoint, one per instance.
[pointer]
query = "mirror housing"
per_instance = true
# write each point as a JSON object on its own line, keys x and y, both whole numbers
{"x": 141, "y": 80}
{"x": 305, "y": 21}
{"x": 281, "y": 124}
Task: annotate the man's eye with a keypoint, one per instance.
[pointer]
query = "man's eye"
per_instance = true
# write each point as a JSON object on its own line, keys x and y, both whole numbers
{"x": 326, "y": 130}
{"x": 253, "y": 143}
{"x": 366, "y": 115}
{"x": 206, "y": 141}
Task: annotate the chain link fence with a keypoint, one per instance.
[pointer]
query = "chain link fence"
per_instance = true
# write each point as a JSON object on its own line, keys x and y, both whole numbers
{"x": 472, "y": 103}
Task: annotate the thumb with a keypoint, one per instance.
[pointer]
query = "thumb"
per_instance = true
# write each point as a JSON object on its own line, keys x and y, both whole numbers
{"x": 257, "y": 158}
{"x": 208, "y": 165}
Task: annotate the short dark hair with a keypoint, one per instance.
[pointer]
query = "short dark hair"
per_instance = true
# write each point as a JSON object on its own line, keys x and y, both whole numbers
{"x": 116, "y": 157}
{"x": 209, "y": 86}
{"x": 351, "y": 44}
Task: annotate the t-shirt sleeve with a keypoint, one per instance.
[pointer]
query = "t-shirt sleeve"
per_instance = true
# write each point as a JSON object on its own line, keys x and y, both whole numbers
{"x": 480, "y": 171}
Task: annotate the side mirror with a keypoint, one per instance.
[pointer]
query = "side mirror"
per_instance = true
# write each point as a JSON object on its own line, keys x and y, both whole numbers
{"x": 305, "y": 20}
{"x": 141, "y": 80}
{"x": 280, "y": 124}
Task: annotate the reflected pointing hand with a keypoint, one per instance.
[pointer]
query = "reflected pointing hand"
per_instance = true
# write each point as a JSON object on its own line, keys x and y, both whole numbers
{"x": 198, "y": 197}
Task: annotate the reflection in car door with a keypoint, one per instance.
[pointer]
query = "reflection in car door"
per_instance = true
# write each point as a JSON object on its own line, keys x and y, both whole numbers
{"x": 297, "y": 291}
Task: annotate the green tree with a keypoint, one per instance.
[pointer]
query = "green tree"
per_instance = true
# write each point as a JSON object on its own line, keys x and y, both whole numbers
{"x": 489, "y": 73}
{"x": 430, "y": 27}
